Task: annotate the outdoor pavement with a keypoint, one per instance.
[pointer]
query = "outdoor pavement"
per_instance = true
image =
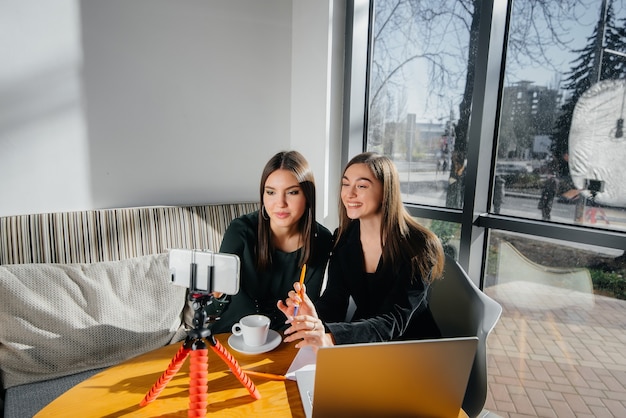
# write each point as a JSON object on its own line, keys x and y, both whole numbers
{"x": 562, "y": 362}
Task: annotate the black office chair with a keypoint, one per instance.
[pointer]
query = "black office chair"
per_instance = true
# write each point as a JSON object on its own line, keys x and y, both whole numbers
{"x": 462, "y": 310}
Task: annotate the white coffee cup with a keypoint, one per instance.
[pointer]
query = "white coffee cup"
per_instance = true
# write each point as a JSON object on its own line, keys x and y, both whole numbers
{"x": 253, "y": 328}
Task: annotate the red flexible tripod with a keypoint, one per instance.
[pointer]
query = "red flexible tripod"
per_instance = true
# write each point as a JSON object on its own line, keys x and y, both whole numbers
{"x": 195, "y": 346}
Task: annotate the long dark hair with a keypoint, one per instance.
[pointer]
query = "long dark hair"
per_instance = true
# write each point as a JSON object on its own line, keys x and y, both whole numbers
{"x": 295, "y": 163}
{"x": 401, "y": 235}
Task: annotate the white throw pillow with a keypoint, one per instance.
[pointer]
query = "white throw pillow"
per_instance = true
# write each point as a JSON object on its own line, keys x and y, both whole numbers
{"x": 60, "y": 319}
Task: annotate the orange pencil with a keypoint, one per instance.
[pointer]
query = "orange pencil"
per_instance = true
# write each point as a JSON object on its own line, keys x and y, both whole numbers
{"x": 271, "y": 376}
{"x": 300, "y": 293}
{"x": 265, "y": 375}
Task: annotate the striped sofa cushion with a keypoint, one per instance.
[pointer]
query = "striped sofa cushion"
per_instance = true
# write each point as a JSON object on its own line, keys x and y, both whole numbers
{"x": 114, "y": 234}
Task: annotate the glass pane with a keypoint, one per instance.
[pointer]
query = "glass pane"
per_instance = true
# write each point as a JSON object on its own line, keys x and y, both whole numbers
{"x": 417, "y": 90}
{"x": 449, "y": 234}
{"x": 561, "y": 145}
{"x": 558, "y": 349}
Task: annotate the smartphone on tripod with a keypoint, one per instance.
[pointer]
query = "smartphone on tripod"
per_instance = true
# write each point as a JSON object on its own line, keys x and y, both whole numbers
{"x": 204, "y": 271}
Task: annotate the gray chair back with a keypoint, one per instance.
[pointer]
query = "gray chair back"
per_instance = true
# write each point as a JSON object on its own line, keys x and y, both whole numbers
{"x": 462, "y": 310}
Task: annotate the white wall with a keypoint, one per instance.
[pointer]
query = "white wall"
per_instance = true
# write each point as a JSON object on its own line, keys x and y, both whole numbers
{"x": 177, "y": 102}
{"x": 316, "y": 95}
{"x": 44, "y": 162}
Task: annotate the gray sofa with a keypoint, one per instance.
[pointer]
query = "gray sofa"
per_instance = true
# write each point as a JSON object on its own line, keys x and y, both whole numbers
{"x": 81, "y": 291}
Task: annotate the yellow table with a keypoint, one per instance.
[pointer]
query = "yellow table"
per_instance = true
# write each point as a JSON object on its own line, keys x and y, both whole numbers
{"x": 117, "y": 391}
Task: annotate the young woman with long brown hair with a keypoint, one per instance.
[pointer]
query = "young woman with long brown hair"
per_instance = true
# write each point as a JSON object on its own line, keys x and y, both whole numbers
{"x": 383, "y": 259}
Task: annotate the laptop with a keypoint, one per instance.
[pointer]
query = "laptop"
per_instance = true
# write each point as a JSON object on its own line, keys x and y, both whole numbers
{"x": 421, "y": 378}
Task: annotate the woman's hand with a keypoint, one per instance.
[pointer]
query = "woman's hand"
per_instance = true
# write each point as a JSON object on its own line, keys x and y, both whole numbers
{"x": 310, "y": 330}
{"x": 305, "y": 326}
{"x": 293, "y": 299}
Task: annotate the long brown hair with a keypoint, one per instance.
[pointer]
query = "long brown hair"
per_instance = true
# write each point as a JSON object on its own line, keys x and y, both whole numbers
{"x": 401, "y": 235}
{"x": 295, "y": 163}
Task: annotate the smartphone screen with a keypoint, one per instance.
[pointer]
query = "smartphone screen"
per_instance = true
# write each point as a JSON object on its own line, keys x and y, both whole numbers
{"x": 205, "y": 271}
{"x": 217, "y": 272}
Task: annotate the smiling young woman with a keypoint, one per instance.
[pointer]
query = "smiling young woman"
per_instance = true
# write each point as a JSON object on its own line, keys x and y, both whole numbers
{"x": 383, "y": 259}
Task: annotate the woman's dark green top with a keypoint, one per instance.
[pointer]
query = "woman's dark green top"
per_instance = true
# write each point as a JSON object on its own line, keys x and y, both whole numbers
{"x": 260, "y": 291}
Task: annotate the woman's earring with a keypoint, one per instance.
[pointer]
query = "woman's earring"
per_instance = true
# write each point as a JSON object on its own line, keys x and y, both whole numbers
{"x": 264, "y": 214}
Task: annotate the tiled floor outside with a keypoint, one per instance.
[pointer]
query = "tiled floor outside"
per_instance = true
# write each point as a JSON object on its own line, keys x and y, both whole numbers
{"x": 556, "y": 353}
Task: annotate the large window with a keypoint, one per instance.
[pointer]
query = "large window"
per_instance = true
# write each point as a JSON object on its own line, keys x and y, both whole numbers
{"x": 505, "y": 120}
{"x": 420, "y": 95}
{"x": 558, "y": 348}
{"x": 560, "y": 138}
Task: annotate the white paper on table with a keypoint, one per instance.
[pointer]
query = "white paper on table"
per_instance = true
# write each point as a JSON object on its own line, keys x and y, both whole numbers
{"x": 304, "y": 360}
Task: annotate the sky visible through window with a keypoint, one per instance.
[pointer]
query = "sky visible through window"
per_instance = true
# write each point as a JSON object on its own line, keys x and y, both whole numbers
{"x": 548, "y": 71}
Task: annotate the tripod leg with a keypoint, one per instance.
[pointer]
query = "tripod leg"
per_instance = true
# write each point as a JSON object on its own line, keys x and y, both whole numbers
{"x": 235, "y": 368}
{"x": 198, "y": 373}
{"x": 168, "y": 374}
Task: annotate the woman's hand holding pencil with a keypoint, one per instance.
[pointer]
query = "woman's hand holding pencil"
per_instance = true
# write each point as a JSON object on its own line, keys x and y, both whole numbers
{"x": 307, "y": 326}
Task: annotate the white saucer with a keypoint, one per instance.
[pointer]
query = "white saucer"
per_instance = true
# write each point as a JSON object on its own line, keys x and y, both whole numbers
{"x": 237, "y": 344}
